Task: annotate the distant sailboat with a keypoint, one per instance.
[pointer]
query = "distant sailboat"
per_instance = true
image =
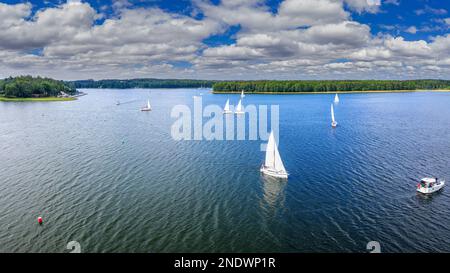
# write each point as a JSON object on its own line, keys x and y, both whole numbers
{"x": 242, "y": 94}
{"x": 333, "y": 121}
{"x": 147, "y": 108}
{"x": 239, "y": 108}
{"x": 273, "y": 165}
{"x": 226, "y": 109}
{"x": 118, "y": 103}
{"x": 336, "y": 99}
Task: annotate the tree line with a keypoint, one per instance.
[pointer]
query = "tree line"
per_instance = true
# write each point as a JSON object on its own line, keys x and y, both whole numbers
{"x": 142, "y": 83}
{"x": 28, "y": 86}
{"x": 329, "y": 85}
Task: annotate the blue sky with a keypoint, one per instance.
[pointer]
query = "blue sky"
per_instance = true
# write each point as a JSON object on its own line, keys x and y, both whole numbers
{"x": 228, "y": 39}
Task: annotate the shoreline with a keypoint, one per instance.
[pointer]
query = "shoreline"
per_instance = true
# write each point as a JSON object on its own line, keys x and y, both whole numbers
{"x": 331, "y": 92}
{"x": 49, "y": 99}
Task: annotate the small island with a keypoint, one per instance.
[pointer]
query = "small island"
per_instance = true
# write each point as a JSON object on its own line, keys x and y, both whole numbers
{"x": 325, "y": 86}
{"x": 28, "y": 88}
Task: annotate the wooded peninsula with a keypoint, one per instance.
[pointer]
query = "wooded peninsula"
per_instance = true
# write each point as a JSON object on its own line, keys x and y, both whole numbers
{"x": 28, "y": 88}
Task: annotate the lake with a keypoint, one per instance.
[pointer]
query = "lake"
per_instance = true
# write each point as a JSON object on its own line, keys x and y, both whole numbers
{"x": 113, "y": 179}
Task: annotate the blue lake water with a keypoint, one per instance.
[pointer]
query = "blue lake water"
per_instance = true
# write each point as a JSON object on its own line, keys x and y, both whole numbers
{"x": 113, "y": 179}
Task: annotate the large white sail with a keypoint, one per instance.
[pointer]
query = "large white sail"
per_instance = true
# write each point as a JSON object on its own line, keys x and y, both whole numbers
{"x": 270, "y": 155}
{"x": 239, "y": 107}
{"x": 336, "y": 98}
{"x": 332, "y": 113}
{"x": 148, "y": 104}
{"x": 227, "y": 106}
{"x": 279, "y": 166}
{"x": 273, "y": 158}
{"x": 242, "y": 94}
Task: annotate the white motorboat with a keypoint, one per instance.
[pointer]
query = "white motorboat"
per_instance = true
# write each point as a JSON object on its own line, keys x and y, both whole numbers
{"x": 226, "y": 109}
{"x": 430, "y": 185}
{"x": 273, "y": 165}
{"x": 333, "y": 120}
{"x": 239, "y": 108}
{"x": 147, "y": 108}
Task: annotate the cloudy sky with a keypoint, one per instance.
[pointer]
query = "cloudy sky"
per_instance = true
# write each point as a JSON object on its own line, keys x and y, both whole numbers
{"x": 226, "y": 39}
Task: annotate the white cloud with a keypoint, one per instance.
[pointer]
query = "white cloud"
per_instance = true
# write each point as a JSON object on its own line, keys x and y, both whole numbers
{"x": 252, "y": 16}
{"x": 310, "y": 12}
{"x": 70, "y": 39}
{"x": 346, "y": 33}
{"x": 392, "y": 2}
{"x": 408, "y": 49}
{"x": 371, "y": 6}
{"x": 301, "y": 39}
{"x": 232, "y": 53}
{"x": 430, "y": 10}
{"x": 441, "y": 45}
{"x": 46, "y": 27}
{"x": 412, "y": 30}
{"x": 372, "y": 54}
{"x": 13, "y": 14}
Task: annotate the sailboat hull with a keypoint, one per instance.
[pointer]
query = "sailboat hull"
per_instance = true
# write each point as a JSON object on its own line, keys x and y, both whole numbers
{"x": 227, "y": 112}
{"x": 239, "y": 113}
{"x": 146, "y": 109}
{"x": 271, "y": 172}
{"x": 334, "y": 124}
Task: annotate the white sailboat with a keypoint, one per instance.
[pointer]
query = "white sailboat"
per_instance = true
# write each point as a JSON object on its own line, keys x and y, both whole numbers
{"x": 273, "y": 164}
{"x": 226, "y": 109}
{"x": 242, "y": 94}
{"x": 336, "y": 99}
{"x": 333, "y": 121}
{"x": 147, "y": 108}
{"x": 239, "y": 108}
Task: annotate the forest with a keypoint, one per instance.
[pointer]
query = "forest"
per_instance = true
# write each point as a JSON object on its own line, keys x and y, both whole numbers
{"x": 28, "y": 86}
{"x": 143, "y": 83}
{"x": 329, "y": 85}
{"x": 37, "y": 87}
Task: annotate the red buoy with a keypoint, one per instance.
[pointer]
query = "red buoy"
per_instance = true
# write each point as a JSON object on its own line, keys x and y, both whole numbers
{"x": 40, "y": 220}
